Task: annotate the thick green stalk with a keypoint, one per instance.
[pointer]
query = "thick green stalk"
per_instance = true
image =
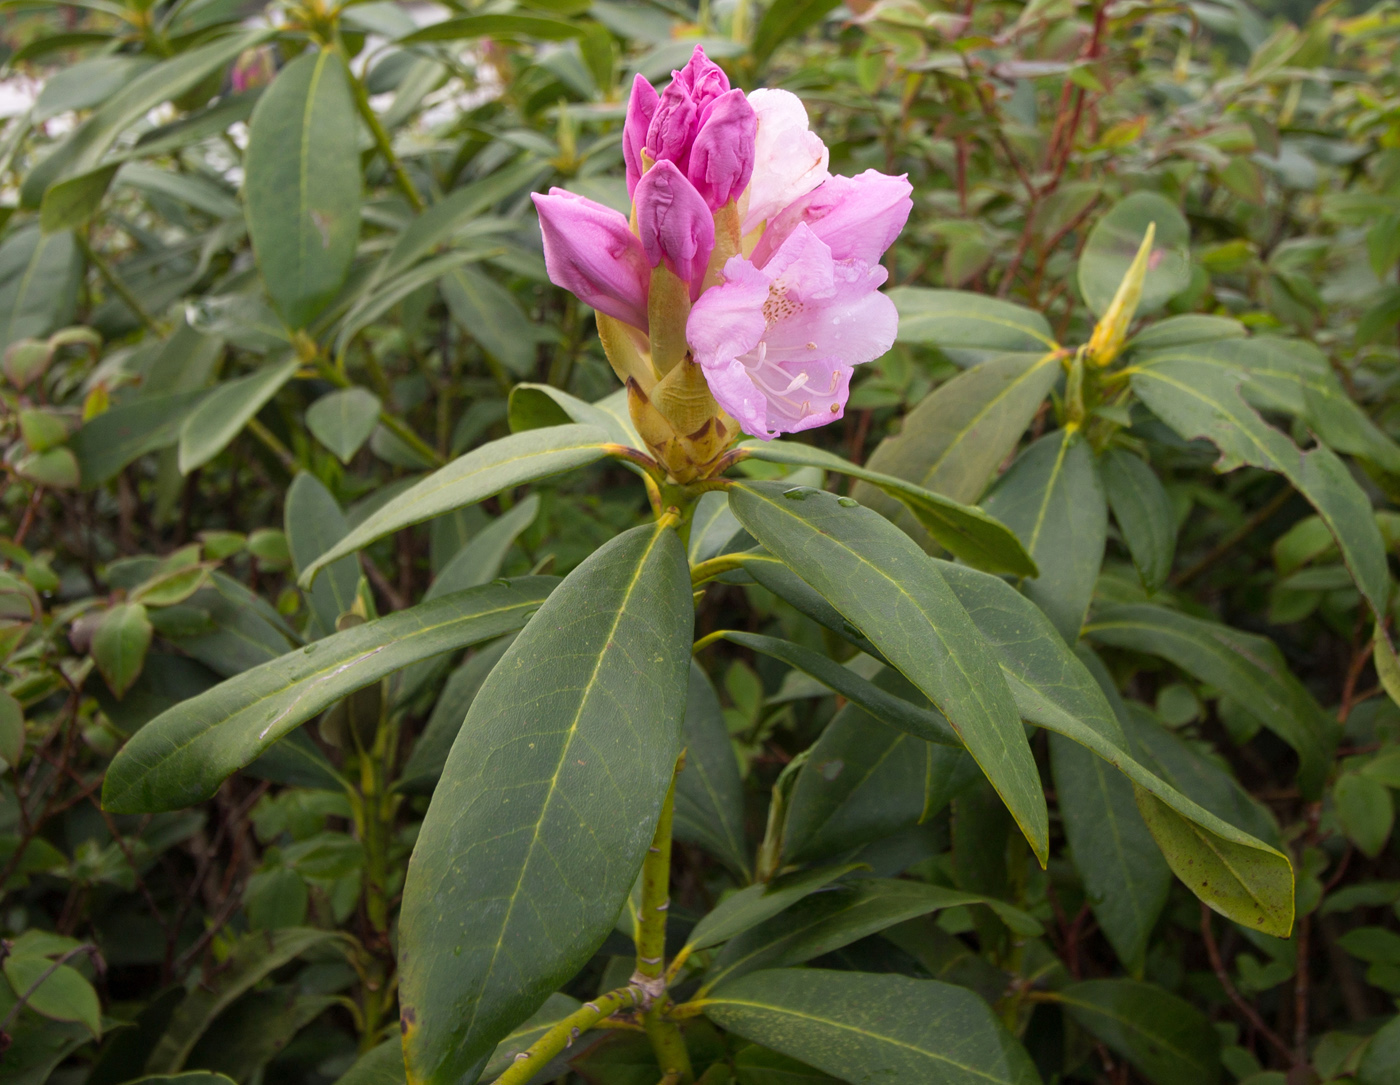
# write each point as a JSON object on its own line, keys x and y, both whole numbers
{"x": 386, "y": 147}
{"x": 538, "y": 1054}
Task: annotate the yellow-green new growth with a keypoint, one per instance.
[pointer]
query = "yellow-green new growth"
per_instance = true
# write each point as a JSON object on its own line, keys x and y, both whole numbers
{"x": 1112, "y": 329}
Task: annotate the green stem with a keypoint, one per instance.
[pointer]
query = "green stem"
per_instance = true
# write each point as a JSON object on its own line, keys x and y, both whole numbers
{"x": 667, "y": 1043}
{"x": 386, "y": 148}
{"x": 528, "y": 1063}
{"x": 274, "y": 445}
{"x": 118, "y": 287}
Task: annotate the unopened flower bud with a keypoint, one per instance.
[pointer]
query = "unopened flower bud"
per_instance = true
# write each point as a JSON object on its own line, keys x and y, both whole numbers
{"x": 721, "y": 157}
{"x": 589, "y": 251}
{"x": 675, "y": 225}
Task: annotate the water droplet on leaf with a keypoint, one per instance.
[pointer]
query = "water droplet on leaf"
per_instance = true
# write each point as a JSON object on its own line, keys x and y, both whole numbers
{"x": 800, "y": 493}
{"x": 847, "y": 502}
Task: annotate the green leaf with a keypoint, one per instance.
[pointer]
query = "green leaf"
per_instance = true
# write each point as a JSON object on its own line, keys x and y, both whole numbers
{"x": 865, "y": 780}
{"x": 1248, "y": 668}
{"x": 1381, "y": 1063}
{"x": 314, "y": 523}
{"x": 220, "y": 417}
{"x": 70, "y": 203}
{"x": 1114, "y": 242}
{"x": 1053, "y": 499}
{"x": 881, "y": 582}
{"x": 12, "y": 730}
{"x": 709, "y": 792}
{"x": 170, "y": 586}
{"x": 119, "y": 645}
{"x": 547, "y": 804}
{"x": 490, "y": 314}
{"x": 424, "y": 765}
{"x": 754, "y": 904}
{"x": 1247, "y": 880}
{"x": 480, "y": 559}
{"x": 302, "y": 184}
{"x": 969, "y": 327}
{"x": 1163, "y": 1036}
{"x": 556, "y": 1007}
{"x": 56, "y": 467}
{"x": 1144, "y": 513}
{"x": 953, "y": 442}
{"x": 862, "y": 1027}
{"x": 481, "y": 473}
{"x": 823, "y": 922}
{"x": 85, "y": 146}
{"x": 181, "y": 756}
{"x": 343, "y": 420}
{"x": 382, "y": 1065}
{"x": 465, "y": 27}
{"x": 533, "y": 406}
{"x": 1177, "y": 331}
{"x": 189, "y": 1077}
{"x": 252, "y": 958}
{"x": 380, "y": 295}
{"x": 925, "y": 723}
{"x": 38, "y": 283}
{"x": 1125, "y": 877}
{"x": 1201, "y": 398}
{"x": 783, "y": 21}
{"x": 63, "y": 995}
{"x": 1366, "y": 810}
{"x": 129, "y": 431}
{"x": 754, "y": 1065}
{"x": 968, "y": 533}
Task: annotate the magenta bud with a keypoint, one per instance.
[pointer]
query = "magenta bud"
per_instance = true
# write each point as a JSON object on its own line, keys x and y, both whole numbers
{"x": 675, "y": 224}
{"x": 590, "y": 252}
{"x": 721, "y": 158}
{"x": 641, "y": 107}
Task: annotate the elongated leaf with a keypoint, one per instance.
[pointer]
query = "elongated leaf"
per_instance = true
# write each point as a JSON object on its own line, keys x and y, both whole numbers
{"x": 129, "y": 431}
{"x": 892, "y": 592}
{"x": 889, "y": 1028}
{"x": 1247, "y": 880}
{"x": 221, "y": 416}
{"x": 966, "y": 532}
{"x": 1125, "y": 877}
{"x": 1053, "y": 499}
{"x": 925, "y": 723}
{"x": 465, "y": 27}
{"x": 314, "y": 523}
{"x": 535, "y": 405}
{"x": 968, "y": 327}
{"x": 380, "y": 295}
{"x": 547, "y": 804}
{"x": 865, "y": 780}
{"x": 783, "y": 21}
{"x": 1165, "y": 1037}
{"x": 482, "y": 473}
{"x": 181, "y": 756}
{"x": 1114, "y": 242}
{"x": 1247, "y": 667}
{"x": 955, "y": 439}
{"x": 709, "y": 792}
{"x": 1144, "y": 513}
{"x": 85, "y": 146}
{"x": 60, "y": 993}
{"x": 757, "y": 903}
{"x": 825, "y": 921}
{"x": 253, "y": 957}
{"x": 1200, "y": 398}
{"x": 302, "y": 187}
{"x": 38, "y": 283}
{"x": 70, "y": 203}
{"x": 490, "y": 314}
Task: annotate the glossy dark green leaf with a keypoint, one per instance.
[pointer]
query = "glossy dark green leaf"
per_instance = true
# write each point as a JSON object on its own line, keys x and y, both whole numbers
{"x": 1366, "y": 811}
{"x": 1144, "y": 513}
{"x": 757, "y": 903}
{"x": 182, "y": 756}
{"x": 343, "y": 420}
{"x": 1114, "y": 242}
{"x": 314, "y": 523}
{"x": 882, "y": 583}
{"x": 954, "y": 440}
{"x": 424, "y": 764}
{"x": 119, "y": 645}
{"x": 56, "y": 991}
{"x": 511, "y": 461}
{"x": 895, "y": 711}
{"x": 1201, "y": 398}
{"x": 223, "y": 413}
{"x": 836, "y": 916}
{"x": 755, "y": 1065}
{"x": 888, "y": 1028}
{"x": 489, "y": 313}
{"x": 547, "y": 803}
{"x": 864, "y": 781}
{"x": 1125, "y": 877}
{"x": 1165, "y": 1037}
{"x": 966, "y": 532}
{"x": 1053, "y": 498}
{"x": 709, "y": 792}
{"x": 956, "y": 321}
{"x": 38, "y": 283}
{"x": 1248, "y": 668}
{"x": 302, "y": 185}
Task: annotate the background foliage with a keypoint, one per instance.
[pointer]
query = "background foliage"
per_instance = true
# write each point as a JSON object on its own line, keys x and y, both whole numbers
{"x": 175, "y": 456}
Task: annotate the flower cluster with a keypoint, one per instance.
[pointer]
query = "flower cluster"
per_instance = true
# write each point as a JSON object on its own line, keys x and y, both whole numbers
{"x": 745, "y": 286}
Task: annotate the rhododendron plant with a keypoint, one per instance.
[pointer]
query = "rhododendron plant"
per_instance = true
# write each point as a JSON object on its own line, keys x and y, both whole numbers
{"x": 745, "y": 288}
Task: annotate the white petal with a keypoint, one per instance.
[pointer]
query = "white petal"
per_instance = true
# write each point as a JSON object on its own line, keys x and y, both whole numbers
{"x": 789, "y": 159}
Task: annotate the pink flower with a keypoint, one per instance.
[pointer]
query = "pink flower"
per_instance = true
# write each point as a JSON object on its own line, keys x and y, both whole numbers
{"x": 675, "y": 225}
{"x": 778, "y": 343}
{"x": 789, "y": 160}
{"x": 641, "y": 107}
{"x": 858, "y": 217}
{"x": 590, "y": 251}
{"x": 721, "y": 156}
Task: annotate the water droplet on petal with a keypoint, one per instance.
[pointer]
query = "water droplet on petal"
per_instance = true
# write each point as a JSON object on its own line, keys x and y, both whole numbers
{"x": 847, "y": 502}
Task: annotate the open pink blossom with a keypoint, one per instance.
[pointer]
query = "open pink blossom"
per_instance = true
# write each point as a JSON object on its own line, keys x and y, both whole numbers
{"x": 858, "y": 217}
{"x": 778, "y": 343}
{"x": 789, "y": 159}
{"x": 591, "y": 252}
